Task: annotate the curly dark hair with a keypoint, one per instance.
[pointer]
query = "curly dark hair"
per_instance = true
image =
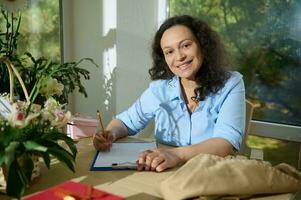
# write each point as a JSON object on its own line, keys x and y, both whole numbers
{"x": 213, "y": 74}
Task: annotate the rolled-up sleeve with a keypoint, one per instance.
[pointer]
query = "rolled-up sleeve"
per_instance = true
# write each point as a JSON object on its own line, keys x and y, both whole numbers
{"x": 140, "y": 113}
{"x": 230, "y": 123}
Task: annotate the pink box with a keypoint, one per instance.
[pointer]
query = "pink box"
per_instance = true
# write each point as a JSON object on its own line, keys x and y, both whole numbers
{"x": 82, "y": 127}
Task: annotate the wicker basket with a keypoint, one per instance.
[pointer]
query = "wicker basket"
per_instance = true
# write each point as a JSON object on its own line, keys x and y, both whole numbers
{"x": 2, "y": 181}
{"x": 14, "y": 72}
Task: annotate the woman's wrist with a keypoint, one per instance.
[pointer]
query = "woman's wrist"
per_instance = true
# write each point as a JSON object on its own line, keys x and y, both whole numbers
{"x": 117, "y": 134}
{"x": 178, "y": 152}
{"x": 113, "y": 136}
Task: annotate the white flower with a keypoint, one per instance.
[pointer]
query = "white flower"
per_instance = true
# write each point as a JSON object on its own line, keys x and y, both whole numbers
{"x": 51, "y": 87}
{"x": 61, "y": 118}
{"x": 53, "y": 112}
{"x": 13, "y": 5}
{"x": 18, "y": 118}
{"x": 51, "y": 105}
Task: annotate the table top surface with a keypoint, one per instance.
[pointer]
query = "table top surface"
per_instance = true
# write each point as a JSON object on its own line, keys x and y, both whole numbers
{"x": 103, "y": 180}
{"x": 130, "y": 184}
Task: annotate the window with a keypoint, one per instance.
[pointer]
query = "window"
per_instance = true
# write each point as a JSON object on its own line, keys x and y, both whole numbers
{"x": 32, "y": 33}
{"x": 263, "y": 39}
{"x": 39, "y": 29}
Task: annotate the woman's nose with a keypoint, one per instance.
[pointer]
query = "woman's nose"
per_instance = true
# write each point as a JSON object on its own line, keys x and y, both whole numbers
{"x": 180, "y": 55}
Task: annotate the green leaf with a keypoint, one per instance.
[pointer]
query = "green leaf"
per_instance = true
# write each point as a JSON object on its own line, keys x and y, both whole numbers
{"x": 2, "y": 158}
{"x": 26, "y": 163}
{"x": 16, "y": 181}
{"x": 64, "y": 156}
{"x": 72, "y": 147}
{"x": 31, "y": 145}
{"x": 61, "y": 136}
{"x": 46, "y": 158}
{"x": 10, "y": 152}
{"x": 10, "y": 135}
{"x": 60, "y": 153}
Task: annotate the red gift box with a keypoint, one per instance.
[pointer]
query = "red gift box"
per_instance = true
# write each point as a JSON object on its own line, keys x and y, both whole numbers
{"x": 73, "y": 191}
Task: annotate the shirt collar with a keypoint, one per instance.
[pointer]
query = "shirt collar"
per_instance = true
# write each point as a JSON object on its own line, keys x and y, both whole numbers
{"x": 174, "y": 88}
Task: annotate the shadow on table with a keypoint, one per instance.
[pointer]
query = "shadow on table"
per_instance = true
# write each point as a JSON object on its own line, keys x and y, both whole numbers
{"x": 142, "y": 196}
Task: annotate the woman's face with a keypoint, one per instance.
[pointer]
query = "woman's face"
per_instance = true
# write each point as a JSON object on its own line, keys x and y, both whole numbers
{"x": 181, "y": 51}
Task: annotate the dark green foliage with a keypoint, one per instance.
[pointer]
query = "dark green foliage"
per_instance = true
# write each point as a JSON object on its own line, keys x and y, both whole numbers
{"x": 31, "y": 69}
{"x": 263, "y": 38}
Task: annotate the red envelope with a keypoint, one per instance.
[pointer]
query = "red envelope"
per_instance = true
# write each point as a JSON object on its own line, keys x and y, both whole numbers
{"x": 73, "y": 191}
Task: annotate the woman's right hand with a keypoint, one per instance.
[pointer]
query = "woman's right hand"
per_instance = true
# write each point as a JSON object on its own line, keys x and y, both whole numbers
{"x": 158, "y": 160}
{"x": 103, "y": 140}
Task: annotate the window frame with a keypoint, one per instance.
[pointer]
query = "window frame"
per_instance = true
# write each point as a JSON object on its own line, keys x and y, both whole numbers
{"x": 277, "y": 131}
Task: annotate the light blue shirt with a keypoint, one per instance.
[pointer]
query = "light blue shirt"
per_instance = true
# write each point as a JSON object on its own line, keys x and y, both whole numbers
{"x": 220, "y": 115}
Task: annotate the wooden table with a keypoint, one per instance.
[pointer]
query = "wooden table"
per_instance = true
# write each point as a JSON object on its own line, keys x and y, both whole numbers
{"x": 130, "y": 184}
{"x": 103, "y": 180}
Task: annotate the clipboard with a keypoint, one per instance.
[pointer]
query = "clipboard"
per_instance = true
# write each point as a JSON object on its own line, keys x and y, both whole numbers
{"x": 122, "y": 156}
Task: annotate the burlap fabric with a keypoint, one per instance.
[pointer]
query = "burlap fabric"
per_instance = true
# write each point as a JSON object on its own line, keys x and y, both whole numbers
{"x": 212, "y": 177}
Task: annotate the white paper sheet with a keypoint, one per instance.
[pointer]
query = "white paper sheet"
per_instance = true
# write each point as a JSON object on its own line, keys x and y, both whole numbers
{"x": 121, "y": 156}
{"x": 5, "y": 107}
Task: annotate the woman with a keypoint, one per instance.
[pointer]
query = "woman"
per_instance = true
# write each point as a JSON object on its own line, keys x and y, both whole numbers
{"x": 197, "y": 105}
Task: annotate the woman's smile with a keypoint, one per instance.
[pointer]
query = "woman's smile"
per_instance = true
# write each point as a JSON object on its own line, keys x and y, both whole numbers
{"x": 185, "y": 65}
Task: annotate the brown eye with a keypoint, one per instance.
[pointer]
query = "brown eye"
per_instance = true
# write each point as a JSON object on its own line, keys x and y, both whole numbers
{"x": 187, "y": 45}
{"x": 168, "y": 52}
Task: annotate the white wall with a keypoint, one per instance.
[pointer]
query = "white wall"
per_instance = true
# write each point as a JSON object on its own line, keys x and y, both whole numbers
{"x": 82, "y": 38}
{"x": 136, "y": 24}
{"x": 83, "y": 28}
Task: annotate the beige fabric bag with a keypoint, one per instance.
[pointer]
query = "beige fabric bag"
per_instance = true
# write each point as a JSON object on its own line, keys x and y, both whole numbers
{"x": 213, "y": 176}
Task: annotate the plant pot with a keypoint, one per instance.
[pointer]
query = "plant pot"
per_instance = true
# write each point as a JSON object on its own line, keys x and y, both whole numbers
{"x": 3, "y": 177}
{"x": 36, "y": 173}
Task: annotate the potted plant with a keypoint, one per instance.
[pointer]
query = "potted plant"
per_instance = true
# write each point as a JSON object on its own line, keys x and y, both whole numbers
{"x": 31, "y": 124}
{"x": 31, "y": 69}
{"x": 29, "y": 130}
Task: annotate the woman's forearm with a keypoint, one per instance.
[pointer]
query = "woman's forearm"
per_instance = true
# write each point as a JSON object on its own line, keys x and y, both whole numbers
{"x": 215, "y": 146}
{"x": 117, "y": 128}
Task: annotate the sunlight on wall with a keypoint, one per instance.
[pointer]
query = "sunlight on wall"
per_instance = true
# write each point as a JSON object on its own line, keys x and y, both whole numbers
{"x": 163, "y": 10}
{"x": 109, "y": 28}
{"x": 109, "y": 55}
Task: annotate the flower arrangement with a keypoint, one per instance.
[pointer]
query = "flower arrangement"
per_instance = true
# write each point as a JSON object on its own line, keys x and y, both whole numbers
{"x": 31, "y": 124}
{"x": 28, "y": 130}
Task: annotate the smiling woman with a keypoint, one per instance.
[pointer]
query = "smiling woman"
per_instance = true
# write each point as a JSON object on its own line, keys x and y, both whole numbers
{"x": 197, "y": 105}
{"x": 184, "y": 58}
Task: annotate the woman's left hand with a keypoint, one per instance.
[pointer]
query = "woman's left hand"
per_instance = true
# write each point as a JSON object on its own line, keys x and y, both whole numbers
{"x": 158, "y": 160}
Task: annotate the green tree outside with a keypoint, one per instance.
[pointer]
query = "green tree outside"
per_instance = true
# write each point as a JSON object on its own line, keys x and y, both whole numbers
{"x": 264, "y": 42}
